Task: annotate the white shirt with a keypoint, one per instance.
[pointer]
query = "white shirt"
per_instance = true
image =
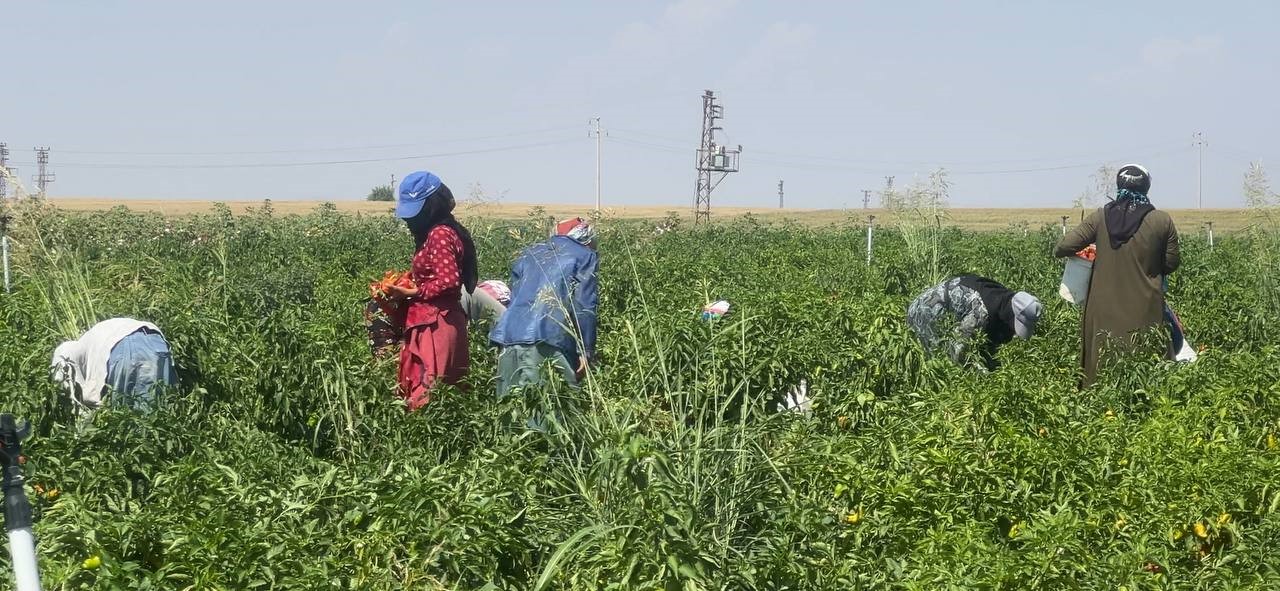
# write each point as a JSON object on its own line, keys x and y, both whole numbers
{"x": 83, "y": 362}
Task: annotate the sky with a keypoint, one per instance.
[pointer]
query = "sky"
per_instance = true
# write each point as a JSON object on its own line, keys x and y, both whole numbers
{"x": 1020, "y": 102}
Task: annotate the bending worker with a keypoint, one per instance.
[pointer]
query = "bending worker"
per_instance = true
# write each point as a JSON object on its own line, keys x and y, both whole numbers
{"x": 552, "y": 316}
{"x": 129, "y": 356}
{"x": 974, "y": 304}
{"x": 489, "y": 300}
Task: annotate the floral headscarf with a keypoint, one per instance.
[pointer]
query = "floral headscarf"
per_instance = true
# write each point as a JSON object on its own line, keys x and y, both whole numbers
{"x": 578, "y": 229}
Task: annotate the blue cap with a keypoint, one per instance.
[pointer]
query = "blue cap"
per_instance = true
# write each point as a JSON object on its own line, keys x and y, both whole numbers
{"x": 414, "y": 191}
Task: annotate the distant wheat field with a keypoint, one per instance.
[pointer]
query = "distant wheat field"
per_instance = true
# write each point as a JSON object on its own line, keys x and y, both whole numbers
{"x": 1188, "y": 220}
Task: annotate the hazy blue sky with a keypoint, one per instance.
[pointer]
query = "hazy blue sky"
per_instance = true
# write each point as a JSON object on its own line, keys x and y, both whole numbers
{"x": 830, "y": 96}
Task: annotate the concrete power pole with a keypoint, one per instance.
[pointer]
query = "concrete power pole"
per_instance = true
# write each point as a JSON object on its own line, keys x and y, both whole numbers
{"x": 43, "y": 176}
{"x": 599, "y": 134}
{"x": 1199, "y": 143}
{"x": 713, "y": 159}
{"x": 780, "y": 194}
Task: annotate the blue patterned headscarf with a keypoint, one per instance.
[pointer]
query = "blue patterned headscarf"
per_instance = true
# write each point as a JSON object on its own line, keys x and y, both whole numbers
{"x": 1133, "y": 197}
{"x": 1124, "y": 215}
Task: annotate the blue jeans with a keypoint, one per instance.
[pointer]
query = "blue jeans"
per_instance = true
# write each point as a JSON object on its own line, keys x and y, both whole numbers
{"x": 137, "y": 364}
{"x": 1175, "y": 324}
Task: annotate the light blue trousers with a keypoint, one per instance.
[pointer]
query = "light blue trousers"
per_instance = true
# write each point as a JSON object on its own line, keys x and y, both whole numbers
{"x": 137, "y": 364}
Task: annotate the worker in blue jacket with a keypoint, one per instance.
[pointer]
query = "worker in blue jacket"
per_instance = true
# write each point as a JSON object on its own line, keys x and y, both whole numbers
{"x": 552, "y": 314}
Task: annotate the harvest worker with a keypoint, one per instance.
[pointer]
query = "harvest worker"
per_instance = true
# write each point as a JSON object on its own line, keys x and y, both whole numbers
{"x": 385, "y": 324}
{"x": 715, "y": 310}
{"x": 974, "y": 304}
{"x": 434, "y": 346}
{"x": 127, "y": 356}
{"x": 552, "y": 316}
{"x": 1137, "y": 246}
{"x": 490, "y": 298}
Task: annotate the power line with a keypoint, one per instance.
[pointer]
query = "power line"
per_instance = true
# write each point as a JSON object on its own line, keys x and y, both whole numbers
{"x": 1063, "y": 167}
{"x": 905, "y": 166}
{"x": 312, "y": 163}
{"x": 1227, "y": 150}
{"x": 655, "y": 147}
{"x": 316, "y": 150}
{"x": 859, "y": 161}
{"x": 912, "y": 163}
{"x": 822, "y": 167}
{"x": 817, "y": 167}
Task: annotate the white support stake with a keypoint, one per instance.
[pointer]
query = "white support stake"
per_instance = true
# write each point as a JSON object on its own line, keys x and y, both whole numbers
{"x": 22, "y": 550}
{"x": 4, "y": 243}
{"x": 1210, "y": 225}
{"x": 871, "y": 222}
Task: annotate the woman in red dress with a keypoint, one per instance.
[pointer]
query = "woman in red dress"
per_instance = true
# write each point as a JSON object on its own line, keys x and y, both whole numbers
{"x": 434, "y": 346}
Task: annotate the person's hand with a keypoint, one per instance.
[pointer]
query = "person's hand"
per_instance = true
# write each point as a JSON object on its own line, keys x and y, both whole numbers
{"x": 400, "y": 293}
{"x": 582, "y": 367}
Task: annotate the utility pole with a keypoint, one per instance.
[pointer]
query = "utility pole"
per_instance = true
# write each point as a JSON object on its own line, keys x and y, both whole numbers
{"x": 866, "y": 199}
{"x": 43, "y": 176}
{"x": 779, "y": 194}
{"x": 392, "y": 186}
{"x": 888, "y": 193}
{"x": 599, "y": 147}
{"x": 713, "y": 159}
{"x": 1199, "y": 143}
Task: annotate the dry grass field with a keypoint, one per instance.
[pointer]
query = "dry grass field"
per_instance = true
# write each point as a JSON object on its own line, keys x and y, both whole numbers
{"x": 1225, "y": 220}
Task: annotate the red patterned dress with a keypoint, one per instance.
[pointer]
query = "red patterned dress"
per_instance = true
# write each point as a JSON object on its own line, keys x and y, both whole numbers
{"x": 435, "y": 336}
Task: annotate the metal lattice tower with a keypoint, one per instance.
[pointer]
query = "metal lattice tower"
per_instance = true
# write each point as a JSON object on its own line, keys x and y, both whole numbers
{"x": 713, "y": 159}
{"x": 4, "y": 164}
{"x": 43, "y": 176}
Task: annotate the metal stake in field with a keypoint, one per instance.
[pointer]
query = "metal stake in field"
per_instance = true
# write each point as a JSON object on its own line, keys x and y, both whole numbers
{"x": 712, "y": 159}
{"x": 1064, "y": 224}
{"x": 43, "y": 176}
{"x": 871, "y": 222}
{"x": 1209, "y": 227}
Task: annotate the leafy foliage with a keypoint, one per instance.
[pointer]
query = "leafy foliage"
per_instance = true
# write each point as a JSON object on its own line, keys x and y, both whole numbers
{"x": 284, "y": 461}
{"x": 381, "y": 193}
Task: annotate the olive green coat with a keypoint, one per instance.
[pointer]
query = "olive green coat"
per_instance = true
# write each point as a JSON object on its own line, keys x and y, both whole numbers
{"x": 1125, "y": 292}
